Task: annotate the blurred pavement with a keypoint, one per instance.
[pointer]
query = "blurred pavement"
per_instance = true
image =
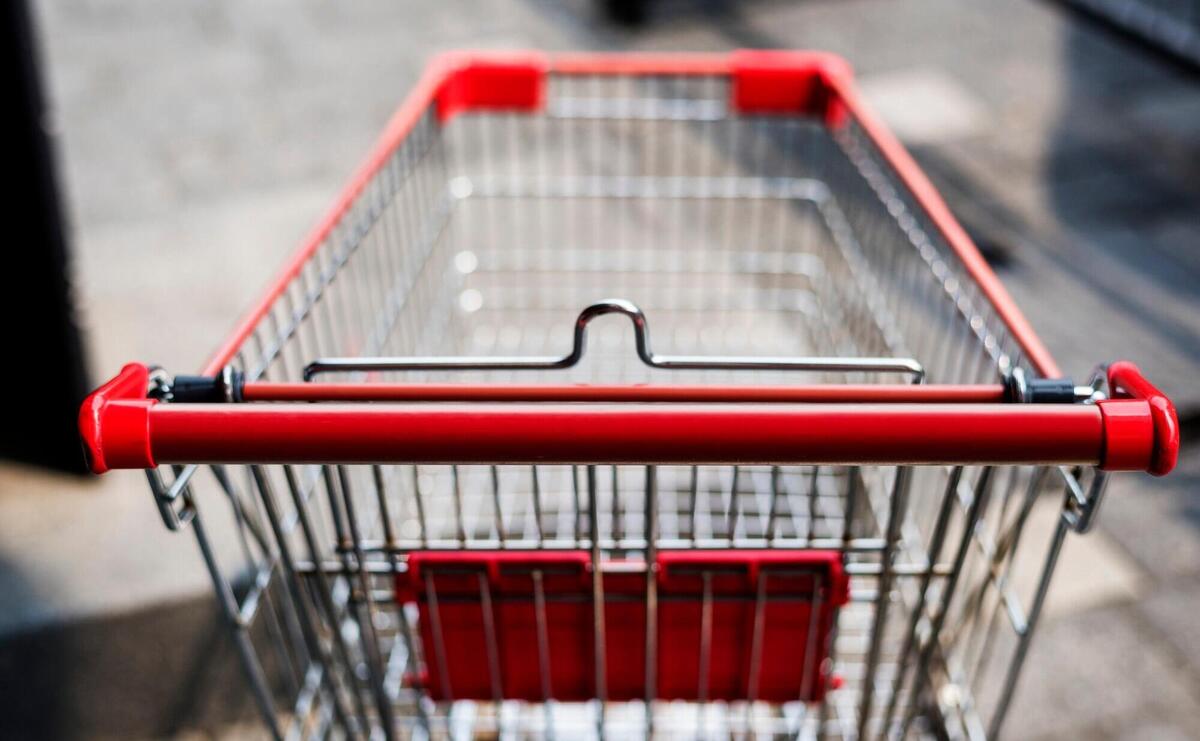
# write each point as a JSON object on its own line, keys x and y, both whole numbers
{"x": 201, "y": 140}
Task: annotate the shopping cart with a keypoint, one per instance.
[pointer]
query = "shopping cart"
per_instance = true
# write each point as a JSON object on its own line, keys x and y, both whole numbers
{"x": 470, "y": 497}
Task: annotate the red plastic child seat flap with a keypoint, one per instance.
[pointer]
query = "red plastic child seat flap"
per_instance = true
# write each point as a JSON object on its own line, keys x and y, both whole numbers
{"x": 521, "y": 625}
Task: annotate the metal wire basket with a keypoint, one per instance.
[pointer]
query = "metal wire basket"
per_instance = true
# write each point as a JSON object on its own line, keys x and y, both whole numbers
{"x": 471, "y": 502}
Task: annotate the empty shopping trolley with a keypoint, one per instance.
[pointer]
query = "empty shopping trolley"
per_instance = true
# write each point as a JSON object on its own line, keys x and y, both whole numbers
{"x": 630, "y": 396}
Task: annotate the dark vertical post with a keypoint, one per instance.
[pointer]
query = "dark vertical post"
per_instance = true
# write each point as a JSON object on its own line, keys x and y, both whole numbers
{"x": 43, "y": 365}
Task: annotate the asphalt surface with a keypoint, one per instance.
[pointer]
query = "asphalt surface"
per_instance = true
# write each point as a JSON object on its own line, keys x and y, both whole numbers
{"x": 200, "y": 141}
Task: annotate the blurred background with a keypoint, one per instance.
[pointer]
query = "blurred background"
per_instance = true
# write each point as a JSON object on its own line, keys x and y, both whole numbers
{"x": 195, "y": 143}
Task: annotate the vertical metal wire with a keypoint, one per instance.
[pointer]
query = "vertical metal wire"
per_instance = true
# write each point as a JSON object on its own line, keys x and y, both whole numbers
{"x": 758, "y": 627}
{"x": 543, "y": 635}
{"x": 808, "y": 672}
{"x": 489, "y": 637}
{"x": 615, "y": 527}
{"x": 439, "y": 639}
{"x": 813, "y": 498}
{"x": 1009, "y": 544}
{"x": 651, "y": 556}
{"x": 706, "y": 628}
{"x": 496, "y": 504}
{"x": 918, "y": 611}
{"x": 365, "y": 609}
{"x": 340, "y": 533}
{"x": 419, "y": 504}
{"x": 324, "y": 596}
{"x": 389, "y": 535}
{"x": 1004, "y": 555}
{"x": 578, "y": 509}
{"x": 694, "y": 492}
{"x": 830, "y": 662}
{"x": 899, "y": 502}
{"x": 458, "y": 507}
{"x": 978, "y": 504}
{"x": 1025, "y": 633}
{"x": 776, "y": 485}
{"x": 281, "y": 627}
{"x": 853, "y": 477}
{"x": 299, "y": 605}
{"x": 732, "y": 506}
{"x": 599, "y": 654}
{"x": 247, "y": 655}
{"x": 537, "y": 505}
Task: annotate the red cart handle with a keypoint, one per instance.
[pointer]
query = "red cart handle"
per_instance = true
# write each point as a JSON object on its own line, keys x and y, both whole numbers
{"x": 1137, "y": 430}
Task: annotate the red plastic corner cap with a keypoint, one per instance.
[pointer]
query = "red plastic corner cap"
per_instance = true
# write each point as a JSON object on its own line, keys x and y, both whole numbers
{"x": 785, "y": 82}
{"x": 114, "y": 422}
{"x": 513, "y": 81}
{"x": 1126, "y": 381}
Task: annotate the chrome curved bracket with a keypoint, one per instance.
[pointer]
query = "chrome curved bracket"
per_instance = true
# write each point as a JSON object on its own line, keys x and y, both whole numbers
{"x": 641, "y": 334}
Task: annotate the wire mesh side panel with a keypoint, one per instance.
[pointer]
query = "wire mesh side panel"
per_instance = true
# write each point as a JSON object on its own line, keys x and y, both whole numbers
{"x": 750, "y": 236}
{"x": 740, "y": 235}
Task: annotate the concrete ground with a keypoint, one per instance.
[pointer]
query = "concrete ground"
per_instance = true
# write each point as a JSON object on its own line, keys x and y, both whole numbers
{"x": 200, "y": 141}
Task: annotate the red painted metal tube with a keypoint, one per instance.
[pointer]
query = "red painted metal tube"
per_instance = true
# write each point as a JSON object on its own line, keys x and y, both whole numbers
{"x": 625, "y": 433}
{"x": 437, "y": 392}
